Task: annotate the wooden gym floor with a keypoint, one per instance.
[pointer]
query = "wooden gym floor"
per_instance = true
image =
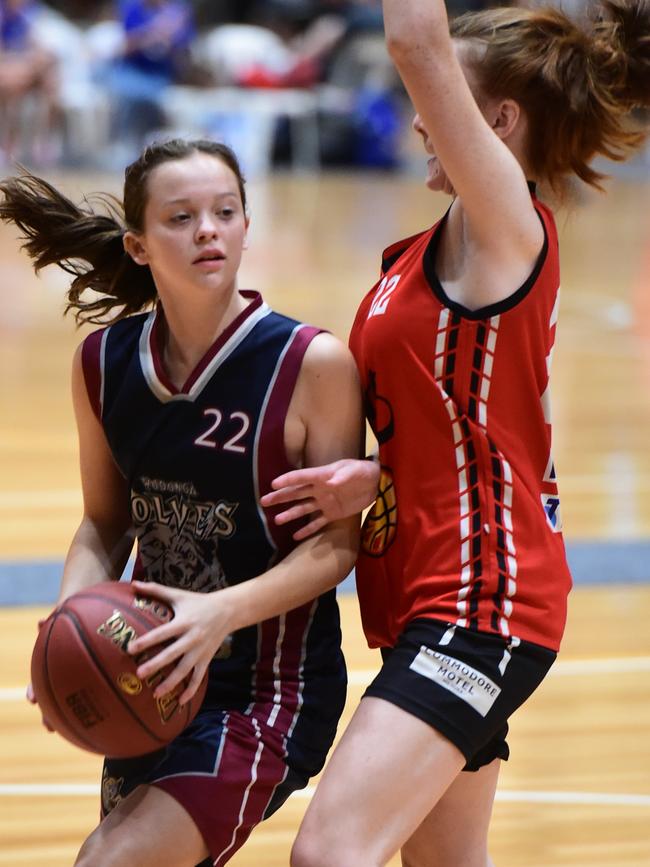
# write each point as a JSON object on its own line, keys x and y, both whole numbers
{"x": 576, "y": 792}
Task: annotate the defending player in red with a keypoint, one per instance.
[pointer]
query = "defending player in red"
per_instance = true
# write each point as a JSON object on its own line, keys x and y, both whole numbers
{"x": 463, "y": 579}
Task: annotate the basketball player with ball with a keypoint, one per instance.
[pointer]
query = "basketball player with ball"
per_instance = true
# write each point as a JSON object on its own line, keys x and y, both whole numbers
{"x": 188, "y": 404}
{"x": 463, "y": 579}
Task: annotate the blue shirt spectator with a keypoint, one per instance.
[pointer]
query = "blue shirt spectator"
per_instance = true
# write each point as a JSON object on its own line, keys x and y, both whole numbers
{"x": 16, "y": 19}
{"x": 158, "y": 34}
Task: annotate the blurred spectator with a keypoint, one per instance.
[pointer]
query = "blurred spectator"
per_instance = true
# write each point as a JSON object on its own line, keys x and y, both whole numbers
{"x": 29, "y": 87}
{"x": 156, "y": 53}
{"x": 359, "y": 15}
{"x": 309, "y": 38}
{"x": 212, "y": 13}
{"x": 312, "y": 32}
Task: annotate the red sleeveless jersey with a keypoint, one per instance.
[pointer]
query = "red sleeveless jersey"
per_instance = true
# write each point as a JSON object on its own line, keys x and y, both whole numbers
{"x": 466, "y": 527}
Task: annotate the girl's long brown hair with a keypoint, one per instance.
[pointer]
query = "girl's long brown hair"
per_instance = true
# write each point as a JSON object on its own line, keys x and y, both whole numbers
{"x": 579, "y": 82}
{"x": 87, "y": 243}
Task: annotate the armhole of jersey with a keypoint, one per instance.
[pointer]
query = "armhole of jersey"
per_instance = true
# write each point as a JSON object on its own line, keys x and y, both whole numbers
{"x": 92, "y": 363}
{"x": 515, "y": 298}
{"x": 392, "y": 254}
{"x": 272, "y": 456}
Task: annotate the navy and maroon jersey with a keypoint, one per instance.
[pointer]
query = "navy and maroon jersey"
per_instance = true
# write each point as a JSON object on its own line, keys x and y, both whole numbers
{"x": 466, "y": 528}
{"x": 196, "y": 461}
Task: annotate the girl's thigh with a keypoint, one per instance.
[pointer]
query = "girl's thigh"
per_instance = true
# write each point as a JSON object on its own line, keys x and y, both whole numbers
{"x": 378, "y": 787}
{"x": 455, "y": 833}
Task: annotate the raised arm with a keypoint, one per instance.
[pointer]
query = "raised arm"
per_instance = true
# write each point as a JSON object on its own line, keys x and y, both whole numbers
{"x": 469, "y": 141}
{"x": 325, "y": 417}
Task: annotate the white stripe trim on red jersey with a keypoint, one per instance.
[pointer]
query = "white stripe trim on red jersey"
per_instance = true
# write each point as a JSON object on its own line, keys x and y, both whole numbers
{"x": 460, "y": 452}
{"x": 485, "y": 380}
{"x": 441, "y": 344}
{"x": 462, "y": 465}
{"x": 511, "y": 555}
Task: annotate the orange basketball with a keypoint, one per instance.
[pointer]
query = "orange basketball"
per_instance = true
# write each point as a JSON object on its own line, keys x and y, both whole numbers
{"x": 86, "y": 684}
{"x": 380, "y": 525}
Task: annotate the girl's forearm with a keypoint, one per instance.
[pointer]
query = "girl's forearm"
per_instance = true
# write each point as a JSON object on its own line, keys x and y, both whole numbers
{"x": 95, "y": 554}
{"x": 315, "y": 566}
{"x": 412, "y": 23}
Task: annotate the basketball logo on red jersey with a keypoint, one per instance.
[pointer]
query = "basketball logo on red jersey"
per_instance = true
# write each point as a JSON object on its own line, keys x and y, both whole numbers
{"x": 378, "y": 410}
{"x": 380, "y": 526}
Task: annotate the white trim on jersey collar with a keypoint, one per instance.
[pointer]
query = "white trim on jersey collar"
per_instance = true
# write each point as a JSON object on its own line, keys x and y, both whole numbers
{"x": 149, "y": 369}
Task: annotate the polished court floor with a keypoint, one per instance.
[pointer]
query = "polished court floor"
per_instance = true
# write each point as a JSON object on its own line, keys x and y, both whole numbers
{"x": 577, "y": 790}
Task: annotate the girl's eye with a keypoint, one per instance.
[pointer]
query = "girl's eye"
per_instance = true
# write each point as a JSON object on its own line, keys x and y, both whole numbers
{"x": 180, "y": 218}
{"x": 226, "y": 213}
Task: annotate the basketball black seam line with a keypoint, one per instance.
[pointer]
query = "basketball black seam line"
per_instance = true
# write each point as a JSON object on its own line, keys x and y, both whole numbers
{"x": 51, "y": 692}
{"x": 108, "y": 680}
{"x": 141, "y": 617}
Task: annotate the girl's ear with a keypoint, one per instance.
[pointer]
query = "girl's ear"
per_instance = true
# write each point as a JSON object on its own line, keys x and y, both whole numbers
{"x": 505, "y": 118}
{"x": 135, "y": 248}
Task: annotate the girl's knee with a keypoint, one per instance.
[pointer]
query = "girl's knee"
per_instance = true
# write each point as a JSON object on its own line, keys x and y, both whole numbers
{"x": 304, "y": 853}
{"x": 437, "y": 856}
{"x": 97, "y": 851}
{"x": 309, "y": 851}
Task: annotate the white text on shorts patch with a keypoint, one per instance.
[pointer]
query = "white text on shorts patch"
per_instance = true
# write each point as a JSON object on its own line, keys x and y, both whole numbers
{"x": 464, "y": 681}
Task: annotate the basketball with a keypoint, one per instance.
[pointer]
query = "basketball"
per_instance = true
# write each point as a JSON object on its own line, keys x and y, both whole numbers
{"x": 86, "y": 684}
{"x": 380, "y": 525}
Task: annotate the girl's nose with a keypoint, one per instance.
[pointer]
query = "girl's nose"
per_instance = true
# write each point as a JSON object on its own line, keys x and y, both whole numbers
{"x": 207, "y": 227}
{"x": 417, "y": 125}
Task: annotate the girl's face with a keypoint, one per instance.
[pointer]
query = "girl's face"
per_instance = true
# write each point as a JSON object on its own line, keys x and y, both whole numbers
{"x": 436, "y": 178}
{"x": 195, "y": 227}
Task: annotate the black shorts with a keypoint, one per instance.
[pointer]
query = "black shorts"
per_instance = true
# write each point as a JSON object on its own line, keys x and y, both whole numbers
{"x": 466, "y": 684}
